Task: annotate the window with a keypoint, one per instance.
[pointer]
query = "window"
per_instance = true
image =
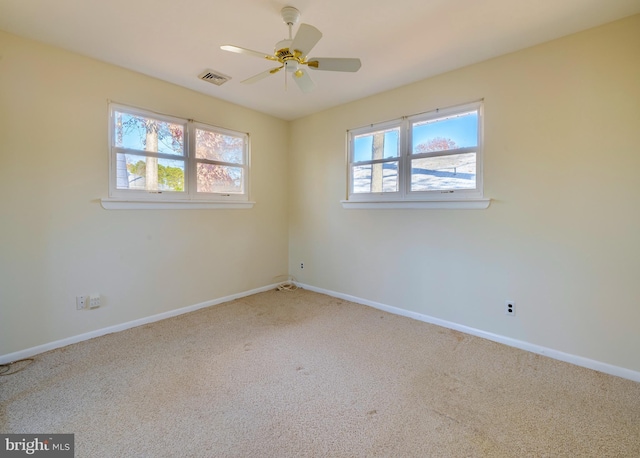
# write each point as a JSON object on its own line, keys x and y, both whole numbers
{"x": 160, "y": 158}
{"x": 434, "y": 156}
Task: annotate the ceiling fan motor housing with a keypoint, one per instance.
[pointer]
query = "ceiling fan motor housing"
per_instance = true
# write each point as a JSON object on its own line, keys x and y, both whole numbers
{"x": 282, "y": 49}
{"x": 284, "y": 55}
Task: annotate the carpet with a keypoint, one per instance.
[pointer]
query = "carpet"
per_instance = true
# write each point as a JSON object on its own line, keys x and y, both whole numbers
{"x": 302, "y": 374}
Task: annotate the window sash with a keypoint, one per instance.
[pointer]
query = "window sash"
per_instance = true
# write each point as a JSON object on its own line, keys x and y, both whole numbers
{"x": 147, "y": 115}
{"x": 242, "y": 165}
{"x": 391, "y": 178}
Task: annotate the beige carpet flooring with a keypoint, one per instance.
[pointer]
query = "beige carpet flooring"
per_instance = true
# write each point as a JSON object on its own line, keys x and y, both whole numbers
{"x": 300, "y": 374}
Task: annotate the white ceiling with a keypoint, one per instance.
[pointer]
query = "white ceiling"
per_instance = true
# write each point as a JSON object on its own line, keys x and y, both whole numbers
{"x": 398, "y": 42}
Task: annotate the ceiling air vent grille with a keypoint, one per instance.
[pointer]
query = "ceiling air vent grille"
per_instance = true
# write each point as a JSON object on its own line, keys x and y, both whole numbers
{"x": 212, "y": 76}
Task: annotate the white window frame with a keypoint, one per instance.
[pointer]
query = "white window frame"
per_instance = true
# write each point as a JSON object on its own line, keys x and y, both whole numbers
{"x": 190, "y": 197}
{"x": 404, "y": 197}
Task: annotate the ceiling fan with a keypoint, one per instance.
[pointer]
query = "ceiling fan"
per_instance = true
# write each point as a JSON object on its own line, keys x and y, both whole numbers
{"x": 292, "y": 54}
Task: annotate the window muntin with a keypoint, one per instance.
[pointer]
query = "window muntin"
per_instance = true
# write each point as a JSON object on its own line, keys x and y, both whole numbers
{"x": 157, "y": 157}
{"x": 435, "y": 156}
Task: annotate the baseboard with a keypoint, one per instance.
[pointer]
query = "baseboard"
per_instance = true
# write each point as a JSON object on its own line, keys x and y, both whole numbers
{"x": 29, "y": 352}
{"x": 527, "y": 346}
{"x": 522, "y": 345}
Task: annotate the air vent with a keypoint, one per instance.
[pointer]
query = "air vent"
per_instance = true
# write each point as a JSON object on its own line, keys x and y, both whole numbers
{"x": 212, "y": 76}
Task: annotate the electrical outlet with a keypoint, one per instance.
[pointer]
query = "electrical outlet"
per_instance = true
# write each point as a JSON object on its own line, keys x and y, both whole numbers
{"x": 302, "y": 265}
{"x": 510, "y": 308}
{"x": 81, "y": 302}
{"x": 94, "y": 301}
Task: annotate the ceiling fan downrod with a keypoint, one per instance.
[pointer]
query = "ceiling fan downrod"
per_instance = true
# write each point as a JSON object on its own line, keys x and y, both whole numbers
{"x": 290, "y": 16}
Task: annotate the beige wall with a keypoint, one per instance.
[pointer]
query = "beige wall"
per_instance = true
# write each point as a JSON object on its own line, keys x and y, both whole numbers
{"x": 56, "y": 241}
{"x": 561, "y": 237}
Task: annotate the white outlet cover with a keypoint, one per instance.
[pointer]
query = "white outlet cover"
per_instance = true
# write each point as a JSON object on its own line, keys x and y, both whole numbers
{"x": 81, "y": 302}
{"x": 510, "y": 308}
{"x": 94, "y": 301}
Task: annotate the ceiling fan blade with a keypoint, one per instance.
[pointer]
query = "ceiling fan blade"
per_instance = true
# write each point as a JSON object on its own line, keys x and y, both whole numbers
{"x": 261, "y": 75}
{"x": 248, "y": 52}
{"x": 304, "y": 81}
{"x": 305, "y": 39}
{"x": 335, "y": 64}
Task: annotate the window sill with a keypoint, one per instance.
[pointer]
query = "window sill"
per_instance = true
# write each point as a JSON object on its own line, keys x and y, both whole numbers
{"x": 459, "y": 204}
{"x": 120, "y": 204}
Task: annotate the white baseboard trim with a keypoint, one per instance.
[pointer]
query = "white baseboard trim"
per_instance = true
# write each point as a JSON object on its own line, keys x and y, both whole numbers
{"x": 29, "y": 352}
{"x": 522, "y": 345}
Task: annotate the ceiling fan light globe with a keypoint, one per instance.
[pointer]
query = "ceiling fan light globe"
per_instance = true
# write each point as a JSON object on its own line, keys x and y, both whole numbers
{"x": 291, "y": 65}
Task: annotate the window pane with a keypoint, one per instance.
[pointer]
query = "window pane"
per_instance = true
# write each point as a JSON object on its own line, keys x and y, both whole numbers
{"x": 375, "y": 177}
{"x": 149, "y": 173}
{"x": 458, "y": 131}
{"x": 148, "y": 134}
{"x": 219, "y": 147}
{"x": 440, "y": 173}
{"x": 220, "y": 178}
{"x": 382, "y": 144}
